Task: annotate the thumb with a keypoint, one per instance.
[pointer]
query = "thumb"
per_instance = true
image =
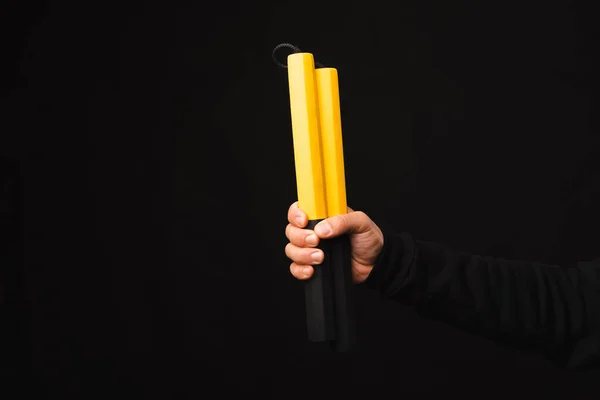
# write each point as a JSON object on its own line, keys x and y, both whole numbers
{"x": 353, "y": 222}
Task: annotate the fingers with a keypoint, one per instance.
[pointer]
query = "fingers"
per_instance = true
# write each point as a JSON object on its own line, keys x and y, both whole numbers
{"x": 294, "y": 230}
{"x": 296, "y": 216}
{"x": 301, "y": 272}
{"x": 301, "y": 237}
{"x": 301, "y": 249}
{"x": 353, "y": 222}
{"x": 303, "y": 255}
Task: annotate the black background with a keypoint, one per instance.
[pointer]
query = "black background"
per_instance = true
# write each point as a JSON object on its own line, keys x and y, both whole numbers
{"x": 147, "y": 168}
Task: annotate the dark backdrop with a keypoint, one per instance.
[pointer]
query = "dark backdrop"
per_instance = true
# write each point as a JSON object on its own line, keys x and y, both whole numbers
{"x": 148, "y": 167}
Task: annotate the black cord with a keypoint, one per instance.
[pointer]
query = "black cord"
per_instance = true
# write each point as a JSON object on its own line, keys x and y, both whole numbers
{"x": 295, "y": 49}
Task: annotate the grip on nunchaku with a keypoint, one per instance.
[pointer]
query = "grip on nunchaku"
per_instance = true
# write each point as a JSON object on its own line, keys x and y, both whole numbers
{"x": 319, "y": 163}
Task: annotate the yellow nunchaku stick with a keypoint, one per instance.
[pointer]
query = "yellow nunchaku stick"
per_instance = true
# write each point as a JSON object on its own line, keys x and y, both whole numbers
{"x": 320, "y": 179}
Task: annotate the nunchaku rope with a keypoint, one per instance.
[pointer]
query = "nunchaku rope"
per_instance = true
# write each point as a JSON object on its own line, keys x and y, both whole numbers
{"x": 295, "y": 49}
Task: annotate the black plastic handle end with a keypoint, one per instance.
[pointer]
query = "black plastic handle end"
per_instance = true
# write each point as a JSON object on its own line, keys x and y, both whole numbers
{"x": 329, "y": 296}
{"x": 343, "y": 292}
{"x": 318, "y": 290}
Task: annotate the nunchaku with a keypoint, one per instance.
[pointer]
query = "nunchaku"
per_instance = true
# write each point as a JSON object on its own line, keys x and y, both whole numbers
{"x": 321, "y": 185}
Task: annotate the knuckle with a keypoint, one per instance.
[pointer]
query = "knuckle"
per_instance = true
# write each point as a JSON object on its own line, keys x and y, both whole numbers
{"x": 288, "y": 250}
{"x": 290, "y": 213}
{"x": 297, "y": 237}
{"x": 292, "y": 209}
{"x": 290, "y": 232}
{"x": 296, "y": 271}
{"x": 339, "y": 222}
{"x": 361, "y": 214}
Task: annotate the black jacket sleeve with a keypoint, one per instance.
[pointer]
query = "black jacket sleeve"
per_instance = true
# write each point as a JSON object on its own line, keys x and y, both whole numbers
{"x": 549, "y": 308}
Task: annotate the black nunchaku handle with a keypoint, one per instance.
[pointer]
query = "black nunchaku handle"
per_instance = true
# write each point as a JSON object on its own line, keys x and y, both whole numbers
{"x": 330, "y": 311}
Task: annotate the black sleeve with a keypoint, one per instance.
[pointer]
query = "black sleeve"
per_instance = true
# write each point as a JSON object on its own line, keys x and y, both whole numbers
{"x": 549, "y": 308}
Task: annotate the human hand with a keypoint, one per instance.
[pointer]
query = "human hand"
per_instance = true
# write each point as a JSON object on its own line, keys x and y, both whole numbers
{"x": 366, "y": 241}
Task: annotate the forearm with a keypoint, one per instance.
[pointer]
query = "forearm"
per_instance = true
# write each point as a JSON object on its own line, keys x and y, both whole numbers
{"x": 545, "y": 306}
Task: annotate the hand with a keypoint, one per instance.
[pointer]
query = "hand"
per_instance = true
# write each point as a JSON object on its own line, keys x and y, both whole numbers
{"x": 366, "y": 240}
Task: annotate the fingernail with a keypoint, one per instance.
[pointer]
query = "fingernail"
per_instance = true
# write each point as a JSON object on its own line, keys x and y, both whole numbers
{"x": 299, "y": 219}
{"x": 317, "y": 256}
{"x": 323, "y": 229}
{"x": 306, "y": 270}
{"x": 311, "y": 239}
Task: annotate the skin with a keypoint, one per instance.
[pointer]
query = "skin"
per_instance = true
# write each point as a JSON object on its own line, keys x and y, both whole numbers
{"x": 366, "y": 240}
